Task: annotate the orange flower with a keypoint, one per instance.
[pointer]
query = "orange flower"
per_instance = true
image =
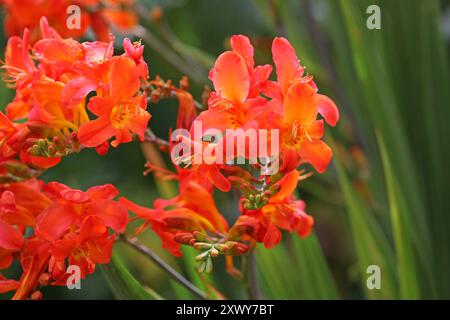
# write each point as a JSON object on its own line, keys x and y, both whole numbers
{"x": 70, "y": 207}
{"x": 91, "y": 245}
{"x": 301, "y": 131}
{"x": 119, "y": 114}
{"x": 192, "y": 210}
{"x": 69, "y": 226}
{"x": 289, "y": 71}
{"x": 236, "y": 83}
{"x": 297, "y": 98}
{"x": 96, "y": 14}
{"x": 281, "y": 212}
{"x": 11, "y": 239}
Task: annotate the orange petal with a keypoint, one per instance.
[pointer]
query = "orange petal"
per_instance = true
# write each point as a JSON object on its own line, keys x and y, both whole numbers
{"x": 59, "y": 50}
{"x": 291, "y": 159}
{"x": 8, "y": 285}
{"x": 315, "y": 130}
{"x": 124, "y": 78}
{"x": 305, "y": 226}
{"x": 328, "y": 110}
{"x": 242, "y": 46}
{"x": 137, "y": 120}
{"x": 91, "y": 228}
{"x": 101, "y": 252}
{"x": 286, "y": 62}
{"x": 288, "y": 185}
{"x": 100, "y": 106}
{"x": 272, "y": 236}
{"x": 95, "y": 132}
{"x": 216, "y": 178}
{"x": 230, "y": 77}
{"x": 10, "y": 237}
{"x": 317, "y": 153}
{"x": 186, "y": 109}
{"x": 42, "y": 162}
{"x": 54, "y": 221}
{"x": 76, "y": 90}
{"x": 113, "y": 214}
{"x": 300, "y": 104}
{"x": 140, "y": 211}
{"x": 198, "y": 199}
{"x": 16, "y": 55}
{"x": 103, "y": 192}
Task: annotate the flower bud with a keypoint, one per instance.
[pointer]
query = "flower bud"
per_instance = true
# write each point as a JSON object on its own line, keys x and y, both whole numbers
{"x": 44, "y": 279}
{"x": 37, "y": 295}
{"x": 202, "y": 246}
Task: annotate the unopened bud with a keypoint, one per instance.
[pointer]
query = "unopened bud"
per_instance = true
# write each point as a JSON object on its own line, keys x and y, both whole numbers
{"x": 202, "y": 256}
{"x": 202, "y": 246}
{"x": 185, "y": 238}
{"x": 184, "y": 83}
{"x": 214, "y": 252}
{"x": 209, "y": 265}
{"x": 201, "y": 266}
{"x": 37, "y": 295}
{"x": 44, "y": 279}
{"x": 200, "y": 236}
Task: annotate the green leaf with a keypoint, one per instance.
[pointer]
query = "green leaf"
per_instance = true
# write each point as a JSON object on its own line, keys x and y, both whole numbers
{"x": 401, "y": 225}
{"x": 314, "y": 274}
{"x": 123, "y": 284}
{"x": 372, "y": 247}
{"x": 299, "y": 272}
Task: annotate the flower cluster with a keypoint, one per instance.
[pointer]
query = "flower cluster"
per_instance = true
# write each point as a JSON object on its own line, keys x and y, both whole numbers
{"x": 71, "y": 95}
{"x": 244, "y": 98}
{"x": 49, "y": 226}
{"x": 48, "y": 117}
{"x": 70, "y": 227}
{"x": 95, "y": 15}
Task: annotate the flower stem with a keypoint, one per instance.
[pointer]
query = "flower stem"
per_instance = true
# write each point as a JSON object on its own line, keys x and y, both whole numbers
{"x": 152, "y": 138}
{"x": 138, "y": 246}
{"x": 251, "y": 281}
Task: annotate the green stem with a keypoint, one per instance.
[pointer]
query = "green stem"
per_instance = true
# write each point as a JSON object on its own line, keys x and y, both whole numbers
{"x": 138, "y": 246}
{"x": 250, "y": 277}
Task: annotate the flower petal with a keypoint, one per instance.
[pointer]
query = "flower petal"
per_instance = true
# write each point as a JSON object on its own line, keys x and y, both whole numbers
{"x": 113, "y": 214}
{"x": 95, "y": 132}
{"x": 288, "y": 185}
{"x": 104, "y": 192}
{"x": 54, "y": 221}
{"x": 91, "y": 228}
{"x": 286, "y": 62}
{"x": 300, "y": 104}
{"x": 242, "y": 46}
{"x": 10, "y": 237}
{"x": 124, "y": 78}
{"x": 76, "y": 90}
{"x": 317, "y": 153}
{"x": 8, "y": 285}
{"x": 216, "y": 178}
{"x": 272, "y": 236}
{"x": 230, "y": 77}
{"x": 328, "y": 110}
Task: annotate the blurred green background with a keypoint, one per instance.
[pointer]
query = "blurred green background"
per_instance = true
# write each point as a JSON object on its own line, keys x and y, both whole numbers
{"x": 384, "y": 199}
